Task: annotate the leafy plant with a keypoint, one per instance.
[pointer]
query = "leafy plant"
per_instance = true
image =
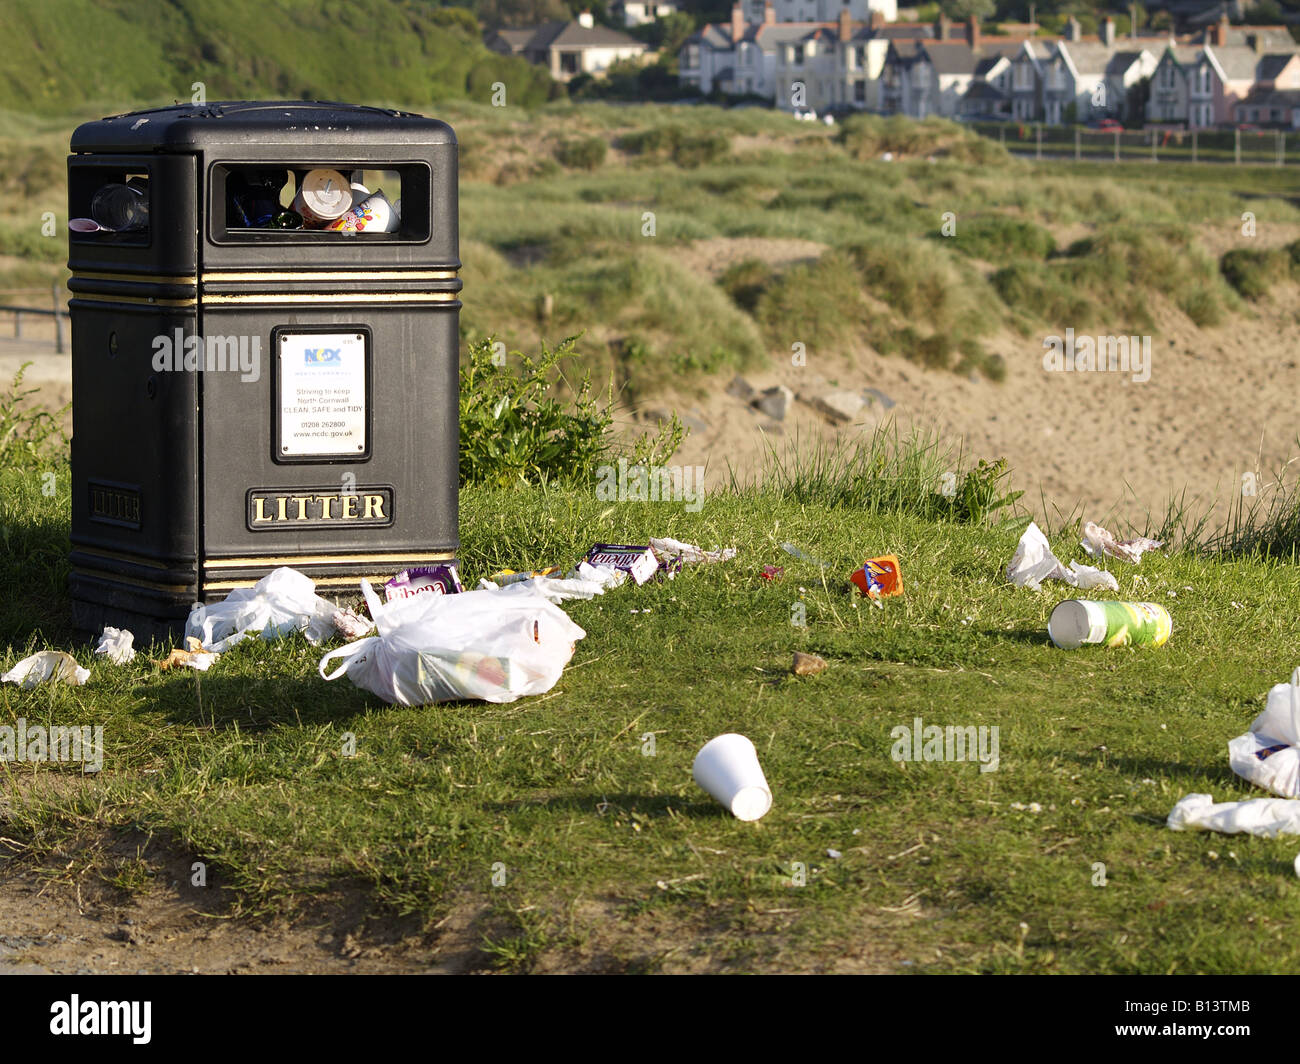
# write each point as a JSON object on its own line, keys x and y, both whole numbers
{"x": 514, "y": 429}
{"x": 27, "y": 436}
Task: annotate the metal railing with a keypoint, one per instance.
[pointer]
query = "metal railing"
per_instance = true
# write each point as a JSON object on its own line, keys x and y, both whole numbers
{"x": 1240, "y": 147}
{"x": 59, "y": 312}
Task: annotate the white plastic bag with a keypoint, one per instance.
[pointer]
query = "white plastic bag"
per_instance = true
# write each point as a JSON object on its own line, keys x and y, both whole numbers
{"x": 44, "y": 665}
{"x": 281, "y": 602}
{"x": 1269, "y": 754}
{"x": 1267, "y": 817}
{"x": 490, "y": 645}
{"x": 116, "y": 644}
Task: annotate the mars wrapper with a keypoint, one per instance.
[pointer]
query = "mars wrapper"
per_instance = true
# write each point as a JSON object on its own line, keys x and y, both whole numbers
{"x": 324, "y": 196}
{"x": 1114, "y": 624}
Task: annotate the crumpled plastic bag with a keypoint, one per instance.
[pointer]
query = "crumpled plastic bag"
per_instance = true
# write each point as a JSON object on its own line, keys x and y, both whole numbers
{"x": 1268, "y": 755}
{"x": 1267, "y": 817}
{"x": 1099, "y": 543}
{"x": 495, "y": 646}
{"x": 1034, "y": 562}
{"x": 350, "y": 624}
{"x": 45, "y": 665}
{"x": 282, "y": 602}
{"x": 578, "y": 584}
{"x": 116, "y": 645}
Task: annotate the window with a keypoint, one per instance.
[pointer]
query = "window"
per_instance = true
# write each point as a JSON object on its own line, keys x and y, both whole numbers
{"x": 798, "y": 55}
{"x": 1023, "y": 78}
{"x": 1165, "y": 79}
{"x": 859, "y": 92}
{"x": 568, "y": 62}
{"x": 693, "y": 55}
{"x": 860, "y": 55}
{"x": 1203, "y": 78}
{"x": 1057, "y": 79}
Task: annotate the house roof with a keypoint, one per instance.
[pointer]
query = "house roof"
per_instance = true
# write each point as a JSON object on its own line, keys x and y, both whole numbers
{"x": 981, "y": 90}
{"x": 516, "y": 39}
{"x": 1121, "y": 61}
{"x": 575, "y": 35}
{"x": 1270, "y": 66}
{"x": 1237, "y": 61}
{"x": 950, "y": 57}
{"x": 1086, "y": 57}
{"x": 1271, "y": 98}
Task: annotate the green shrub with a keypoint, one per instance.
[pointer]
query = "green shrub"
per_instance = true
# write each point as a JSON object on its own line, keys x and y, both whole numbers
{"x": 585, "y": 153}
{"x": 29, "y": 436}
{"x": 999, "y": 239}
{"x": 745, "y": 282}
{"x": 1252, "y": 273}
{"x": 513, "y": 428}
{"x": 686, "y": 147}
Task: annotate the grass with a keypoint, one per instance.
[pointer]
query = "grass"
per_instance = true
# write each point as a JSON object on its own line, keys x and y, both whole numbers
{"x": 610, "y": 859}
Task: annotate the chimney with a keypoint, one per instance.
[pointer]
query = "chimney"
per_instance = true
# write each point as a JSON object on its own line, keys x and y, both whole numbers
{"x": 846, "y": 25}
{"x": 769, "y": 14}
{"x": 973, "y": 31}
{"x": 1108, "y": 32}
{"x": 877, "y": 19}
{"x": 944, "y": 24}
{"x": 737, "y": 24}
{"x": 1073, "y": 31}
{"x": 585, "y": 20}
{"x": 1221, "y": 31}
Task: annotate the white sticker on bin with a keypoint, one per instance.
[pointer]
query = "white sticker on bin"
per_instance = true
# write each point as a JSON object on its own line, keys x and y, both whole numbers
{"x": 322, "y": 394}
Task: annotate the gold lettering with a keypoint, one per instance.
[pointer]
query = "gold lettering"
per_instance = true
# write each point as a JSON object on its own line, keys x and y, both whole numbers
{"x": 374, "y": 508}
{"x": 325, "y": 507}
{"x": 349, "y": 506}
{"x": 301, "y": 500}
{"x": 280, "y": 504}
{"x": 259, "y": 510}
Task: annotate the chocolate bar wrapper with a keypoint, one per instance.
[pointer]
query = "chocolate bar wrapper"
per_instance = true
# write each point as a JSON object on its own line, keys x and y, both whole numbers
{"x": 638, "y": 562}
{"x": 435, "y": 579}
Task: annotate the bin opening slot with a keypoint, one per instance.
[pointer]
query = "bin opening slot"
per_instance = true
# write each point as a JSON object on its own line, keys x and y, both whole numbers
{"x": 319, "y": 201}
{"x": 109, "y": 204}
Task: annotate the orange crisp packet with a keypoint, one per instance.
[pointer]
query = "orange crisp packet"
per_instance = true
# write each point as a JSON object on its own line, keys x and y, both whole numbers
{"x": 879, "y": 577}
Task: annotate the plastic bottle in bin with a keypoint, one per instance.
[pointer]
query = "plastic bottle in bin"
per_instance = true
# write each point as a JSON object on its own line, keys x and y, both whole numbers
{"x": 253, "y": 198}
{"x": 121, "y": 208}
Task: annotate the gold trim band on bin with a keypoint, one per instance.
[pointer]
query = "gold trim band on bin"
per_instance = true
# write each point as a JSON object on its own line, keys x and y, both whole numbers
{"x": 148, "y": 301}
{"x": 336, "y": 297}
{"x": 403, "y": 560}
{"x": 141, "y": 278}
{"x": 221, "y": 277}
{"x": 117, "y": 578}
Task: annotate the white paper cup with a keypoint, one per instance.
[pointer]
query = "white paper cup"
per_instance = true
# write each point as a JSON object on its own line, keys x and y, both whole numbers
{"x": 727, "y": 767}
{"x": 324, "y": 196}
{"x": 374, "y": 214}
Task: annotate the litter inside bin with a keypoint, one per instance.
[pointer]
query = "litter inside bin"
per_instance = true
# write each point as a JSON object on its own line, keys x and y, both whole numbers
{"x": 45, "y": 665}
{"x": 323, "y": 196}
{"x": 493, "y": 646}
{"x": 374, "y": 214}
{"x": 116, "y": 645}
{"x": 121, "y": 208}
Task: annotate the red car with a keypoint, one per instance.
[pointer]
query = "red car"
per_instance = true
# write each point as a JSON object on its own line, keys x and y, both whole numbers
{"x": 1109, "y": 125}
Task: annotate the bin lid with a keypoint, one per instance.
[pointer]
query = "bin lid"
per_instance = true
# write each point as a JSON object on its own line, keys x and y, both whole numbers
{"x": 202, "y": 127}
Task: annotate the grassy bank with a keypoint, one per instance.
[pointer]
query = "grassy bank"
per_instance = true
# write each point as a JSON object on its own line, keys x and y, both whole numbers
{"x": 607, "y": 858}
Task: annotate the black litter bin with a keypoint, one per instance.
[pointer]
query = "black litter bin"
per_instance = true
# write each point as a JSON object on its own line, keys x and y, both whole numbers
{"x": 264, "y": 352}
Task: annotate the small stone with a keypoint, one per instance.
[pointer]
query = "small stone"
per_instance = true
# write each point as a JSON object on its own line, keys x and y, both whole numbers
{"x": 774, "y": 402}
{"x": 840, "y": 407}
{"x": 740, "y": 389}
{"x": 807, "y": 664}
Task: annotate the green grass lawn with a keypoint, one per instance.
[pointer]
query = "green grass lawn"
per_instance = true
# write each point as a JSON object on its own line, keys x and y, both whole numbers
{"x": 614, "y": 859}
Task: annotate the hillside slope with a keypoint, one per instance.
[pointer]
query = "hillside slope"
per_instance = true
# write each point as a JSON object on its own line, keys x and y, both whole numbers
{"x": 66, "y": 54}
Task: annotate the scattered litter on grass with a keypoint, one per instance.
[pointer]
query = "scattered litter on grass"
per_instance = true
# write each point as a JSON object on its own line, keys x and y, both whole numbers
{"x": 674, "y": 550}
{"x": 1076, "y": 622}
{"x": 807, "y": 664}
{"x": 282, "y": 602}
{"x": 795, "y": 552}
{"x": 350, "y": 624}
{"x": 1100, "y": 543}
{"x": 727, "y": 768}
{"x": 192, "y": 657}
{"x": 1034, "y": 562}
{"x": 493, "y": 646}
{"x": 1266, "y": 817}
{"x": 424, "y": 580}
{"x": 1268, "y": 755}
{"x": 772, "y": 572}
{"x": 637, "y": 562}
{"x": 509, "y": 576}
{"x": 45, "y": 665}
{"x": 879, "y": 577}
{"x": 116, "y": 645}
{"x": 834, "y": 855}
